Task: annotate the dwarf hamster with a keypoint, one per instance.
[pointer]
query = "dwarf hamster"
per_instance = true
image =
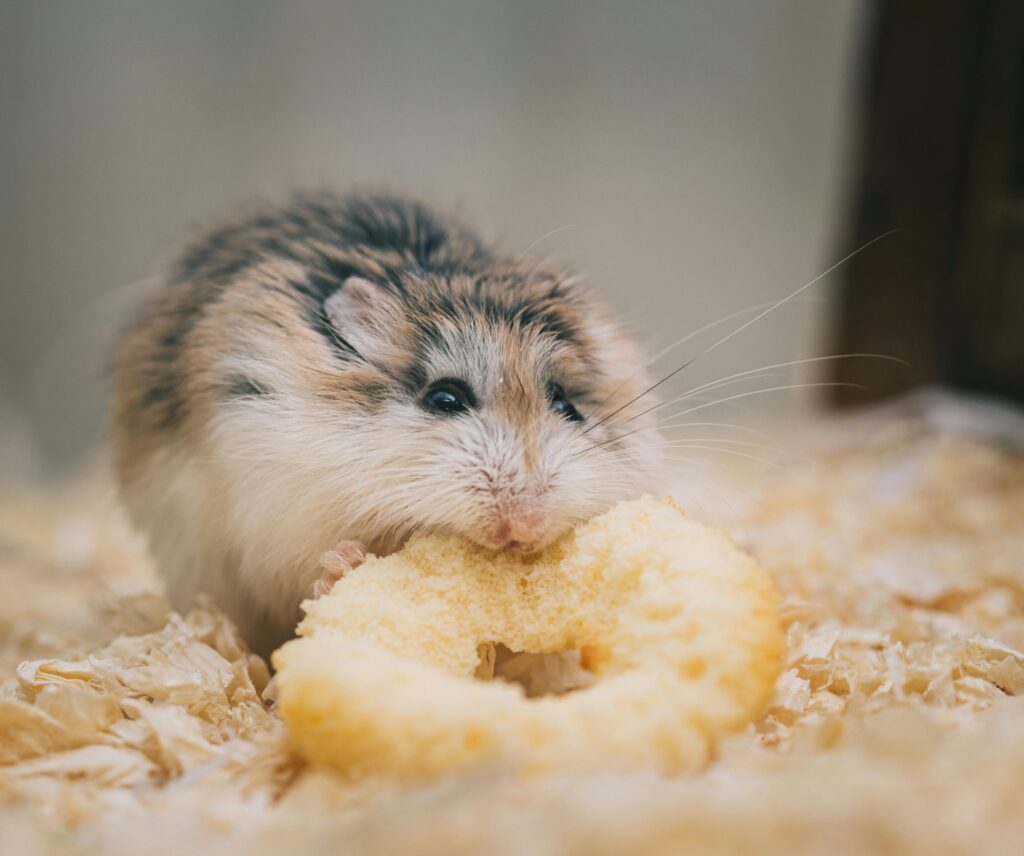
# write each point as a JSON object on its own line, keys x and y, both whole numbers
{"x": 345, "y": 370}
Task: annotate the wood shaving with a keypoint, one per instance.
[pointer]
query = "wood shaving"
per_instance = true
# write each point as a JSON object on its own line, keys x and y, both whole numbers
{"x": 897, "y": 725}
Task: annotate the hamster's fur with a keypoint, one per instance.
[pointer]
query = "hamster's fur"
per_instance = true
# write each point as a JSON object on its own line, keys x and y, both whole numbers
{"x": 354, "y": 369}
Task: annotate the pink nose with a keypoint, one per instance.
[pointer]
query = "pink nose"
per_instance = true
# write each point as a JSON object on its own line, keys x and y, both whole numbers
{"x": 520, "y": 523}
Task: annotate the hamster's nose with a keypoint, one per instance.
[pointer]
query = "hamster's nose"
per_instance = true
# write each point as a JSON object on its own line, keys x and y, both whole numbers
{"x": 521, "y": 523}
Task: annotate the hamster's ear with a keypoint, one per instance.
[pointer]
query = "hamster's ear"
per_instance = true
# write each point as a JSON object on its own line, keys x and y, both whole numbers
{"x": 362, "y": 312}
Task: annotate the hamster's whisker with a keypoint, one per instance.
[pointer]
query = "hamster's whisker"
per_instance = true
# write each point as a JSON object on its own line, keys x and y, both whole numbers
{"x": 674, "y": 444}
{"x": 711, "y": 446}
{"x": 740, "y": 454}
{"x": 682, "y": 341}
{"x": 541, "y": 239}
{"x": 732, "y": 425}
{"x": 744, "y": 326}
{"x": 662, "y": 424}
{"x": 761, "y": 372}
{"x": 682, "y": 441}
{"x": 699, "y": 467}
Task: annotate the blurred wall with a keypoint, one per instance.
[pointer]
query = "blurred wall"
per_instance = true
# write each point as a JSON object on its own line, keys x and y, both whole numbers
{"x": 693, "y": 150}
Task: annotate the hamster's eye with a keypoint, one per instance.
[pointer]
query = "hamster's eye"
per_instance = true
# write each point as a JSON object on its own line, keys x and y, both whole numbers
{"x": 448, "y": 397}
{"x": 561, "y": 405}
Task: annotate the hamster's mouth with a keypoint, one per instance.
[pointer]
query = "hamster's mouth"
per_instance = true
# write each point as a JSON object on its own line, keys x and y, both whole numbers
{"x": 498, "y": 535}
{"x": 524, "y": 549}
{"x": 498, "y": 540}
{"x": 498, "y": 545}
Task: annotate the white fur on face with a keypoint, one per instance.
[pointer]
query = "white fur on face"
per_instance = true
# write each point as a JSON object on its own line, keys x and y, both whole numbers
{"x": 305, "y": 474}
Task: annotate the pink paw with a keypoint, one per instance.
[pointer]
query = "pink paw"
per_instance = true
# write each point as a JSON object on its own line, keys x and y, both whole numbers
{"x": 345, "y": 557}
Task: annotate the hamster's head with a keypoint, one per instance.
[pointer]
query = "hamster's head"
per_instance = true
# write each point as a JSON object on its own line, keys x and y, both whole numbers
{"x": 496, "y": 405}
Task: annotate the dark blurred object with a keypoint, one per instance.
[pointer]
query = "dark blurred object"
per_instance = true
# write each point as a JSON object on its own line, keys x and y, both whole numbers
{"x": 942, "y": 160}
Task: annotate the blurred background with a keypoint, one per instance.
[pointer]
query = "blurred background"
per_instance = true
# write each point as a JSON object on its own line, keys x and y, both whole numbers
{"x": 693, "y": 159}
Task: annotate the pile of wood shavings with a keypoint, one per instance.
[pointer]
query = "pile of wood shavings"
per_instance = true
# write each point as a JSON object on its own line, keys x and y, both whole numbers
{"x": 898, "y": 724}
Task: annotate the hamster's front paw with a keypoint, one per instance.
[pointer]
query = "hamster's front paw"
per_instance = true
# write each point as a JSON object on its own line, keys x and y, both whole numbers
{"x": 345, "y": 557}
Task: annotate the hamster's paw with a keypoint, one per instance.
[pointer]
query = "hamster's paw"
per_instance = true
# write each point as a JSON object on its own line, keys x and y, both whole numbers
{"x": 345, "y": 557}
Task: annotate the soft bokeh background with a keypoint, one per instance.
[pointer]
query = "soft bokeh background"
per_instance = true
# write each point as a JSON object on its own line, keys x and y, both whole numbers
{"x": 691, "y": 156}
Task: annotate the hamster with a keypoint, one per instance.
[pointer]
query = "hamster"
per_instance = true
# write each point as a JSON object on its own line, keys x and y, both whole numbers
{"x": 330, "y": 376}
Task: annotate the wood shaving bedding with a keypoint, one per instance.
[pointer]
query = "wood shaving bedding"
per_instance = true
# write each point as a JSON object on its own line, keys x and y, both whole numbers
{"x": 897, "y": 725}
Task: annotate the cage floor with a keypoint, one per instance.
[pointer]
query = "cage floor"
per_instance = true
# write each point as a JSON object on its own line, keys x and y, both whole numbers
{"x": 896, "y": 538}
